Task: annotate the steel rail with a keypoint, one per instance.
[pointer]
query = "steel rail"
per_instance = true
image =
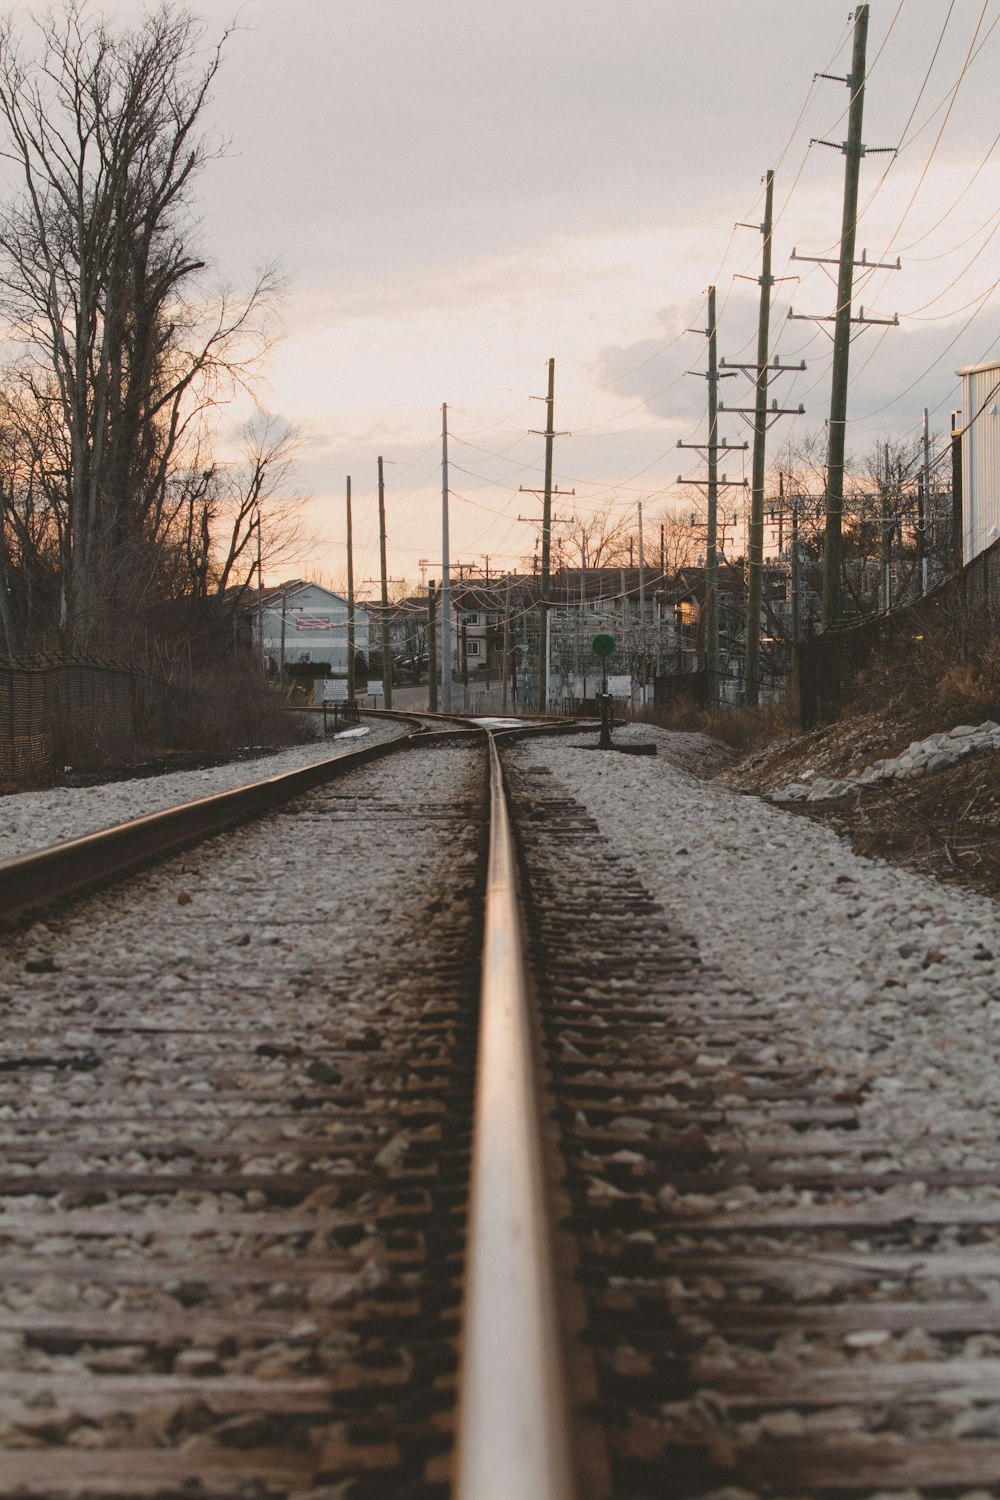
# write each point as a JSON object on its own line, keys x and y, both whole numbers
{"x": 513, "y": 1424}
{"x": 34, "y": 881}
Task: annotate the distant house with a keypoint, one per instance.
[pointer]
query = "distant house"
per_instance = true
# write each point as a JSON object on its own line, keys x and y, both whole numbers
{"x": 302, "y": 627}
{"x": 980, "y": 457}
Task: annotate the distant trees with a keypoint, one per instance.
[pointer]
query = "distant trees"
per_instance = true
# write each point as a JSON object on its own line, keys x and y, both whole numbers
{"x": 897, "y": 519}
{"x": 113, "y": 499}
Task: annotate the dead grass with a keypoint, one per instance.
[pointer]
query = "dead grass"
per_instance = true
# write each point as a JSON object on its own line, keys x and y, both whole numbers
{"x": 745, "y": 730}
{"x": 222, "y": 712}
{"x": 946, "y": 825}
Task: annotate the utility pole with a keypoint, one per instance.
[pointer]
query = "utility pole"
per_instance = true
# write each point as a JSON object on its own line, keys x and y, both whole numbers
{"x": 957, "y": 514}
{"x": 11, "y": 649}
{"x": 504, "y": 651}
{"x": 853, "y": 149}
{"x": 432, "y": 686}
{"x": 711, "y": 451}
{"x": 386, "y": 653}
{"x": 885, "y": 548}
{"x": 642, "y": 611}
{"x": 842, "y": 320}
{"x": 351, "y": 685}
{"x": 755, "y": 543}
{"x": 925, "y": 518}
{"x": 445, "y": 573}
{"x": 832, "y": 552}
{"x": 543, "y": 598}
{"x": 712, "y": 538}
{"x": 762, "y": 416}
{"x": 795, "y": 575}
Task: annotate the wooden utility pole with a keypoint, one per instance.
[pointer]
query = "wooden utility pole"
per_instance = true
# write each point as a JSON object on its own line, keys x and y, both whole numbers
{"x": 711, "y": 450}
{"x": 957, "y": 509}
{"x": 432, "y": 686}
{"x": 712, "y": 537}
{"x": 642, "y": 611}
{"x": 795, "y": 575}
{"x": 853, "y": 151}
{"x": 386, "y": 652}
{"x": 762, "y": 416}
{"x": 926, "y": 528}
{"x": 351, "y": 685}
{"x": 885, "y": 538}
{"x": 445, "y": 573}
{"x": 755, "y": 540}
{"x": 543, "y": 601}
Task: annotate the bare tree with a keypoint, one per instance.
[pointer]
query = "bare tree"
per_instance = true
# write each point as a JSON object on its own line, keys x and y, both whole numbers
{"x": 677, "y": 537}
{"x": 250, "y": 512}
{"x": 123, "y": 352}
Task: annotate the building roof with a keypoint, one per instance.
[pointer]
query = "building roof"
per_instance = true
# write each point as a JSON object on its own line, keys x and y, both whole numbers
{"x": 984, "y": 368}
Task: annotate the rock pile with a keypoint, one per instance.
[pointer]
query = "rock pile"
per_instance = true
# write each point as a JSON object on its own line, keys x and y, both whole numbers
{"x": 921, "y": 758}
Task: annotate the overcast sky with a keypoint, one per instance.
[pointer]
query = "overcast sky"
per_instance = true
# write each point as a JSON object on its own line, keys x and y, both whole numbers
{"x": 458, "y": 190}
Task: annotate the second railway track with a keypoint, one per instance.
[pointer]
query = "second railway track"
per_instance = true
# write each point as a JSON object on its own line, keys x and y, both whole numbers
{"x": 237, "y": 1127}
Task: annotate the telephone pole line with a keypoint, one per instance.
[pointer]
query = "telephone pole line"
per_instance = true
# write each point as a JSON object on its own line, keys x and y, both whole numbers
{"x": 543, "y": 596}
{"x": 432, "y": 684}
{"x": 711, "y": 450}
{"x": 853, "y": 149}
{"x": 842, "y": 320}
{"x": 386, "y": 653}
{"x": 761, "y": 420}
{"x": 547, "y": 493}
{"x": 445, "y": 573}
{"x": 351, "y": 687}
{"x": 712, "y": 538}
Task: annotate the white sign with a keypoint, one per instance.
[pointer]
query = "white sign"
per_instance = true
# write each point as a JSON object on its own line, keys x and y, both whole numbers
{"x": 334, "y": 692}
{"x": 375, "y": 690}
{"x": 620, "y": 687}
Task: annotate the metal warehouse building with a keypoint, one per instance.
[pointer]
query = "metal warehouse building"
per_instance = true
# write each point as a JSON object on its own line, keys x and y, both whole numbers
{"x": 980, "y": 457}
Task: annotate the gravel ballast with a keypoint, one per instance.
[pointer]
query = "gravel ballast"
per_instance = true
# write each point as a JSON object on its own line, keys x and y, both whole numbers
{"x": 889, "y": 977}
{"x": 37, "y": 820}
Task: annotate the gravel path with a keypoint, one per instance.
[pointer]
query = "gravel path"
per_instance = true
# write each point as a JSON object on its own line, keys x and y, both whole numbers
{"x": 888, "y": 977}
{"x": 36, "y": 820}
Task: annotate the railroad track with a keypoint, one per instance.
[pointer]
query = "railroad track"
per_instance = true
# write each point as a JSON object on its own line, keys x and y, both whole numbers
{"x": 235, "y": 1252}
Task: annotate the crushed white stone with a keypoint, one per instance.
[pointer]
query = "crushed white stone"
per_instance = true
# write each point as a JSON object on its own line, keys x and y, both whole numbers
{"x": 885, "y": 976}
{"x": 37, "y": 820}
{"x": 921, "y": 758}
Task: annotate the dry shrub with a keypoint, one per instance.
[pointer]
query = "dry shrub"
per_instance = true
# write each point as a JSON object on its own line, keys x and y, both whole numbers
{"x": 945, "y": 669}
{"x": 89, "y": 741}
{"x": 745, "y": 729}
{"x": 226, "y": 710}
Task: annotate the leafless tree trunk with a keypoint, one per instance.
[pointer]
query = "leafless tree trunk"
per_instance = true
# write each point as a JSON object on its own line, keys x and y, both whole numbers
{"x": 100, "y": 283}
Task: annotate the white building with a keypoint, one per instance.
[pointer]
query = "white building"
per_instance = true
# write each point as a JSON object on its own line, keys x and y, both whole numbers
{"x": 980, "y": 457}
{"x": 305, "y": 625}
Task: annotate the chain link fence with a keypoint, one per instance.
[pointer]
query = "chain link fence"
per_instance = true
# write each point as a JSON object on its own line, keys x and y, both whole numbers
{"x": 71, "y": 712}
{"x": 830, "y": 662}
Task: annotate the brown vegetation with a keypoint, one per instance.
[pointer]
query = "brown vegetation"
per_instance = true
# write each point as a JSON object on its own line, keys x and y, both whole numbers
{"x": 946, "y": 825}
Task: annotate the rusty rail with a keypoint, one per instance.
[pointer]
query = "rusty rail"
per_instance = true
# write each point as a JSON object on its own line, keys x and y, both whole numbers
{"x": 513, "y": 1433}
{"x": 37, "y": 880}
